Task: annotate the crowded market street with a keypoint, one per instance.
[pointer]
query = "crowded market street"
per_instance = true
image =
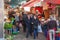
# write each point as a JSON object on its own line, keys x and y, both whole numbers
{"x": 32, "y": 20}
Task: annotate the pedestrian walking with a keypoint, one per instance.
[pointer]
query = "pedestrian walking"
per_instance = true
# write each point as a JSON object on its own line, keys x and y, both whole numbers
{"x": 32, "y": 18}
{"x": 52, "y": 27}
{"x": 28, "y": 26}
{"x": 24, "y": 18}
{"x": 44, "y": 26}
{"x": 35, "y": 24}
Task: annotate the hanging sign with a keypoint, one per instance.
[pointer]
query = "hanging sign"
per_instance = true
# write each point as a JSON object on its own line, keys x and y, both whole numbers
{"x": 27, "y": 9}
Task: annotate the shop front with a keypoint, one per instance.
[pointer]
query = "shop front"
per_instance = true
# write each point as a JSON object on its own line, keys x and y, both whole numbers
{"x": 34, "y": 6}
{"x": 55, "y": 5}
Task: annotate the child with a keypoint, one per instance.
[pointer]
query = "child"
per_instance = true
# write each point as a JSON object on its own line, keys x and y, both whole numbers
{"x": 8, "y": 26}
{"x": 14, "y": 30}
{"x": 17, "y": 26}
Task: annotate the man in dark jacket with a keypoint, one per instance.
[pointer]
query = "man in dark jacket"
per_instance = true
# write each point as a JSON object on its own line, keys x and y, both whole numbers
{"x": 28, "y": 26}
{"x": 35, "y": 24}
{"x": 24, "y": 18}
{"x": 32, "y": 18}
{"x": 44, "y": 26}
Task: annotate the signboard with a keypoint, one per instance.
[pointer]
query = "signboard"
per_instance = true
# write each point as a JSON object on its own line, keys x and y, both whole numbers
{"x": 27, "y": 9}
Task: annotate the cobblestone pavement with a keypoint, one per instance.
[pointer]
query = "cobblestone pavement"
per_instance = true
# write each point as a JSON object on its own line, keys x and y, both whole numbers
{"x": 21, "y": 36}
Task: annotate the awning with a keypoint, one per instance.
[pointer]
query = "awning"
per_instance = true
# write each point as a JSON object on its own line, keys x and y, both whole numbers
{"x": 53, "y": 1}
{"x": 31, "y": 3}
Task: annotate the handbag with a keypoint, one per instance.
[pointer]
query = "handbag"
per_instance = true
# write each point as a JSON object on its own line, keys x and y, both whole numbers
{"x": 39, "y": 28}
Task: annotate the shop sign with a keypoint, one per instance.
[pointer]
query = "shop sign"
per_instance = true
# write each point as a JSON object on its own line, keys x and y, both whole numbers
{"x": 27, "y": 9}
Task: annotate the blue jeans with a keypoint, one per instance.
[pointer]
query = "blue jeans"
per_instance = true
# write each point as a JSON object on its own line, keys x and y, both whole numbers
{"x": 35, "y": 33}
{"x": 45, "y": 33}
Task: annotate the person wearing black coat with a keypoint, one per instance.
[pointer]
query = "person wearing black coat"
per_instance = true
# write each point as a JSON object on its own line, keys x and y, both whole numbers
{"x": 32, "y": 18}
{"x": 24, "y": 19}
{"x": 35, "y": 24}
{"x": 28, "y": 26}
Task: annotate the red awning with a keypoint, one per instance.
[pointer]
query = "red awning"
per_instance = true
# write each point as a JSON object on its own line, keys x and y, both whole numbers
{"x": 53, "y": 1}
{"x": 30, "y": 3}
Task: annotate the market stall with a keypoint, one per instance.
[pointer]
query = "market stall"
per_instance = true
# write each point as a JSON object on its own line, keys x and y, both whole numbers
{"x": 53, "y": 9}
{"x": 34, "y": 5}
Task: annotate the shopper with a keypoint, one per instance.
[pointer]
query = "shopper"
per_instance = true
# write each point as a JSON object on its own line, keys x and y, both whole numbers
{"x": 52, "y": 27}
{"x": 17, "y": 26}
{"x": 8, "y": 26}
{"x": 14, "y": 30}
{"x": 44, "y": 26}
{"x": 17, "y": 17}
{"x": 28, "y": 26}
{"x": 32, "y": 18}
{"x": 24, "y": 18}
{"x": 35, "y": 24}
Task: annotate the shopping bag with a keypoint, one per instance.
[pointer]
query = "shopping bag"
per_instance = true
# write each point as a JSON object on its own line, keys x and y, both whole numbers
{"x": 39, "y": 28}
